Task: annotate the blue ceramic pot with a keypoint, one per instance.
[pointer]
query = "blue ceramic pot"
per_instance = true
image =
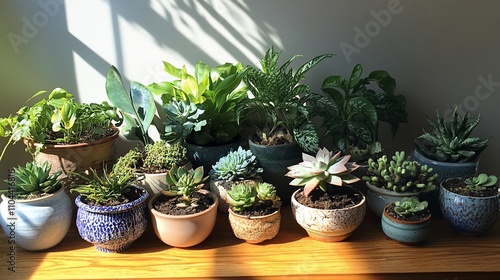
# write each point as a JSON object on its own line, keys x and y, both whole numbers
{"x": 468, "y": 215}
{"x": 404, "y": 231}
{"x": 447, "y": 170}
{"x": 379, "y": 198}
{"x": 112, "y": 228}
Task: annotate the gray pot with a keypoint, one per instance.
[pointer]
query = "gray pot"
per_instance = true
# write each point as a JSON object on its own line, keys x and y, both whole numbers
{"x": 207, "y": 156}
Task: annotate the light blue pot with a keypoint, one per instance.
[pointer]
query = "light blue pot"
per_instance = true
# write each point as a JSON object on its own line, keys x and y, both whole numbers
{"x": 406, "y": 232}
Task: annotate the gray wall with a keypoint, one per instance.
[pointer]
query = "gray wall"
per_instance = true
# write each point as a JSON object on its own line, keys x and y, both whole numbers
{"x": 442, "y": 53}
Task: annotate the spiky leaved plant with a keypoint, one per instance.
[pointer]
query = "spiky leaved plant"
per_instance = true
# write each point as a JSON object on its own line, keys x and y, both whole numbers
{"x": 451, "y": 141}
{"x": 323, "y": 171}
{"x": 183, "y": 182}
{"x": 34, "y": 179}
{"x": 236, "y": 166}
{"x": 251, "y": 196}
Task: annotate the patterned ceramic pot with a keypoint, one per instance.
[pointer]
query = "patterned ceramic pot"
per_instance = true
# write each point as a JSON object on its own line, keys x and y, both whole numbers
{"x": 447, "y": 170}
{"x": 466, "y": 214}
{"x": 112, "y": 229}
{"x": 404, "y": 231}
{"x": 329, "y": 225}
{"x": 255, "y": 229}
{"x": 379, "y": 198}
{"x": 37, "y": 224}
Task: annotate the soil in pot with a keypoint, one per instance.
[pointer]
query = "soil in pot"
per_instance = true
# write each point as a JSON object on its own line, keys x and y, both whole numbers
{"x": 259, "y": 211}
{"x": 337, "y": 198}
{"x": 411, "y": 218}
{"x": 168, "y": 204}
{"x": 457, "y": 185}
{"x": 127, "y": 197}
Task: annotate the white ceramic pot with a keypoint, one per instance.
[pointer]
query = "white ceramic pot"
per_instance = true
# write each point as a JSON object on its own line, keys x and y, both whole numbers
{"x": 255, "y": 229}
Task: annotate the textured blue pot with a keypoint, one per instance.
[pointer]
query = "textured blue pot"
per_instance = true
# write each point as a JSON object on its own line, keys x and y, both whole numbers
{"x": 112, "y": 229}
{"x": 466, "y": 214}
{"x": 447, "y": 170}
{"x": 36, "y": 224}
{"x": 379, "y": 198}
{"x": 406, "y": 232}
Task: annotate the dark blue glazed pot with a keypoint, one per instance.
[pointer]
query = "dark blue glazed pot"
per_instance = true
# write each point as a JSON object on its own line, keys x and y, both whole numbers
{"x": 207, "y": 156}
{"x": 112, "y": 229}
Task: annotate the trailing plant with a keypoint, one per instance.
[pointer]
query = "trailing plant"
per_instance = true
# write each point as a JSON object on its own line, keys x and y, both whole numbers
{"x": 400, "y": 174}
{"x": 277, "y": 109}
{"x": 181, "y": 119}
{"x": 236, "y": 166}
{"x": 481, "y": 182}
{"x": 324, "y": 171}
{"x": 409, "y": 206}
{"x": 217, "y": 91}
{"x": 351, "y": 111}
{"x": 450, "y": 141}
{"x": 183, "y": 182}
{"x": 243, "y": 197}
{"x": 33, "y": 180}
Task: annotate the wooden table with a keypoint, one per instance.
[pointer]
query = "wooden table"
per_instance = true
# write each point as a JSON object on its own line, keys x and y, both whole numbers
{"x": 367, "y": 254}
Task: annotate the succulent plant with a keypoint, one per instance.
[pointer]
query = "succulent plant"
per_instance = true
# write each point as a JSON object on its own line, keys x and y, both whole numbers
{"x": 481, "y": 182}
{"x": 251, "y": 196}
{"x": 183, "y": 182}
{"x": 236, "y": 166}
{"x": 451, "y": 141}
{"x": 34, "y": 179}
{"x": 322, "y": 171}
{"x": 400, "y": 174}
{"x": 181, "y": 118}
{"x": 408, "y": 206}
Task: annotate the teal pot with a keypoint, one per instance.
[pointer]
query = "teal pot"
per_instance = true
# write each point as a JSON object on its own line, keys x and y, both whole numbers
{"x": 207, "y": 156}
{"x": 275, "y": 160}
{"x": 329, "y": 225}
{"x": 36, "y": 224}
{"x": 379, "y": 198}
{"x": 468, "y": 215}
{"x": 112, "y": 229}
{"x": 405, "y": 231}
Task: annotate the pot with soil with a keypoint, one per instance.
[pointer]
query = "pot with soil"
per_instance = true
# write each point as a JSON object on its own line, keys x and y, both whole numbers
{"x": 183, "y": 214}
{"x": 407, "y": 220}
{"x": 470, "y": 205}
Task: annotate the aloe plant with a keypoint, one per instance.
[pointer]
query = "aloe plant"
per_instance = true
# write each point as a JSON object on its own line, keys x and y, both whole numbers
{"x": 183, "y": 182}
{"x": 34, "y": 179}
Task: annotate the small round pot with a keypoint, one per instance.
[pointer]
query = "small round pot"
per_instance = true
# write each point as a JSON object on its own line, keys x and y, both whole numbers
{"x": 468, "y": 215}
{"x": 379, "y": 198}
{"x": 37, "y": 224}
{"x": 404, "y": 231}
{"x": 255, "y": 229}
{"x": 220, "y": 188}
{"x": 185, "y": 230}
{"x": 112, "y": 229}
{"x": 328, "y": 225}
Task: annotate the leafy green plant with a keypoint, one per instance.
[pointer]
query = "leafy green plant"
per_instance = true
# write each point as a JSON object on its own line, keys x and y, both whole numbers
{"x": 351, "y": 110}
{"x": 450, "y": 141}
{"x": 324, "y": 171}
{"x": 252, "y": 196}
{"x": 277, "y": 109}
{"x": 183, "y": 182}
{"x": 181, "y": 119}
{"x": 236, "y": 166}
{"x": 481, "y": 182}
{"x": 218, "y": 90}
{"x": 58, "y": 119}
{"x": 409, "y": 206}
{"x": 400, "y": 174}
{"x": 33, "y": 180}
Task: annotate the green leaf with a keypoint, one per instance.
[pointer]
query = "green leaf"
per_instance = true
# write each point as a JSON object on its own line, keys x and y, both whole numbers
{"x": 116, "y": 92}
{"x": 143, "y": 103}
{"x": 355, "y": 75}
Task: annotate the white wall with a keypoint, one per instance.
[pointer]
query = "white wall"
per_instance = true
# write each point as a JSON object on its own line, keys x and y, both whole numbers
{"x": 441, "y": 53}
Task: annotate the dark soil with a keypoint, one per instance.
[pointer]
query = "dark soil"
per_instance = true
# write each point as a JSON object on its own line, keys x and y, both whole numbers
{"x": 168, "y": 204}
{"x": 338, "y": 198}
{"x": 457, "y": 185}
{"x": 127, "y": 197}
{"x": 259, "y": 211}
{"x": 412, "y": 218}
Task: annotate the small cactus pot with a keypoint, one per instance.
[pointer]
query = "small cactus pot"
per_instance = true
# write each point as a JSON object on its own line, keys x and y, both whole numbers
{"x": 37, "y": 224}
{"x": 468, "y": 215}
{"x": 379, "y": 198}
{"x": 405, "y": 231}
{"x": 112, "y": 229}
{"x": 255, "y": 229}
{"x": 220, "y": 188}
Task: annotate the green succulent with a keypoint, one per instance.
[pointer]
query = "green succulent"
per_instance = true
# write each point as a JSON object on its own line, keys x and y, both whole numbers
{"x": 451, "y": 141}
{"x": 400, "y": 174}
{"x": 34, "y": 179}
{"x": 251, "y": 196}
{"x": 409, "y": 206}
{"x": 481, "y": 182}
{"x": 181, "y": 119}
{"x": 183, "y": 182}
{"x": 235, "y": 166}
{"x": 323, "y": 171}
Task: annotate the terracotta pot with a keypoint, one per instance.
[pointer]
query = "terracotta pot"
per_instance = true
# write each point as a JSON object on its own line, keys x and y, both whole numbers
{"x": 405, "y": 231}
{"x": 185, "y": 230}
{"x": 220, "y": 188}
{"x": 255, "y": 229}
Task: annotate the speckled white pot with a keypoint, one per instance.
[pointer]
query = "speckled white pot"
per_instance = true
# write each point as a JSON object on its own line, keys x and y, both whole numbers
{"x": 255, "y": 229}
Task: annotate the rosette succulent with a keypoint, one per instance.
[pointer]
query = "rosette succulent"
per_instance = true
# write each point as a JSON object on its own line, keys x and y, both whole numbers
{"x": 236, "y": 166}
{"x": 34, "y": 179}
{"x": 250, "y": 196}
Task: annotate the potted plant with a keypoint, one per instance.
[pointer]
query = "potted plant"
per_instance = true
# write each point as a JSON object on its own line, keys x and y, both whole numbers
{"x": 71, "y": 136}
{"x": 183, "y": 214}
{"x": 277, "y": 111}
{"x": 470, "y": 205}
{"x": 390, "y": 181}
{"x": 111, "y": 210}
{"x": 35, "y": 207}
{"x": 213, "y": 95}
{"x": 254, "y": 212}
{"x": 237, "y": 167}
{"x": 449, "y": 148}
{"x": 407, "y": 220}
{"x": 326, "y": 207}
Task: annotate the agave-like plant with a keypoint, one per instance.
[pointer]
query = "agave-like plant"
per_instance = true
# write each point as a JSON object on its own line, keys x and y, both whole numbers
{"x": 322, "y": 171}
{"x": 183, "y": 182}
{"x": 236, "y": 166}
{"x": 35, "y": 179}
{"x": 250, "y": 196}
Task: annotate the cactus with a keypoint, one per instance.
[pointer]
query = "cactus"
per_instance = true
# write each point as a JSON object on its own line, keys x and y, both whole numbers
{"x": 251, "y": 196}
{"x": 409, "y": 206}
{"x": 236, "y": 166}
